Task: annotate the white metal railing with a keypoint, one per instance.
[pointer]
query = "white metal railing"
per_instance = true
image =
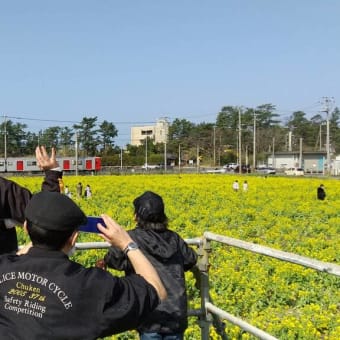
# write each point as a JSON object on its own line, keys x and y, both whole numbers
{"x": 321, "y": 266}
{"x": 102, "y": 245}
{"x": 239, "y": 322}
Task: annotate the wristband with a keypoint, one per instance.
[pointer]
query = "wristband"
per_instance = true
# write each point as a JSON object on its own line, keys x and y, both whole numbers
{"x": 58, "y": 168}
{"x": 130, "y": 246}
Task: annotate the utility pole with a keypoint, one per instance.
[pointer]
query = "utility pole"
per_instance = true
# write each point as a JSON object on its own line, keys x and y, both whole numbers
{"x": 214, "y": 145}
{"x": 254, "y": 142}
{"x": 327, "y": 141}
{"x": 290, "y": 135}
{"x": 179, "y": 158}
{"x": 320, "y": 137}
{"x": 197, "y": 158}
{"x": 300, "y": 156}
{"x": 327, "y": 103}
{"x": 165, "y": 157}
{"x": 146, "y": 152}
{"x": 76, "y": 153}
{"x": 273, "y": 154}
{"x": 5, "y": 142}
{"x": 165, "y": 144}
{"x": 239, "y": 141}
{"x": 121, "y": 159}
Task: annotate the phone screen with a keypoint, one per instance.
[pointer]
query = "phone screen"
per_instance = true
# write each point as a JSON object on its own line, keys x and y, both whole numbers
{"x": 91, "y": 225}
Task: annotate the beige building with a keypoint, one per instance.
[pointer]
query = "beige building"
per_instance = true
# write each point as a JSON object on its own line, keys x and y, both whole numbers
{"x": 158, "y": 132}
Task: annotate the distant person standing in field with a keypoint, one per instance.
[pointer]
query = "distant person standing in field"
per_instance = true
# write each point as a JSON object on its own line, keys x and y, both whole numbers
{"x": 61, "y": 185}
{"x": 321, "y": 193}
{"x": 245, "y": 186}
{"x": 88, "y": 192}
{"x": 236, "y": 186}
{"x": 79, "y": 190}
{"x": 67, "y": 191}
{"x": 170, "y": 255}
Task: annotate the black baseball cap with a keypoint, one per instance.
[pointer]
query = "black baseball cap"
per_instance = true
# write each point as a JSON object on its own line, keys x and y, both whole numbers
{"x": 54, "y": 211}
{"x": 150, "y": 207}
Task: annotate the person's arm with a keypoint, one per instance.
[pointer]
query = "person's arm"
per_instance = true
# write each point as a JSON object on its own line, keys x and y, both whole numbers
{"x": 51, "y": 167}
{"x": 14, "y": 197}
{"x": 13, "y": 200}
{"x": 188, "y": 254}
{"x": 114, "y": 259}
{"x": 117, "y": 236}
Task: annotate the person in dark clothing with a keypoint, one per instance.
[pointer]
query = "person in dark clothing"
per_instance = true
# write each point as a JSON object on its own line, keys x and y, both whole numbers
{"x": 79, "y": 190}
{"x": 14, "y": 198}
{"x": 321, "y": 193}
{"x": 170, "y": 255}
{"x": 45, "y": 295}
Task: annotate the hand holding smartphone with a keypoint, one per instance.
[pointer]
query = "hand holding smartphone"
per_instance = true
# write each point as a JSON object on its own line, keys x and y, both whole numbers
{"x": 91, "y": 225}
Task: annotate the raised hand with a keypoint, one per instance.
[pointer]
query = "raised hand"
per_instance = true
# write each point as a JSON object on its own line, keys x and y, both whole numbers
{"x": 46, "y": 162}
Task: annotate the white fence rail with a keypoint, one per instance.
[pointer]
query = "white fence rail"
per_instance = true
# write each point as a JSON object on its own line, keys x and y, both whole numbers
{"x": 327, "y": 267}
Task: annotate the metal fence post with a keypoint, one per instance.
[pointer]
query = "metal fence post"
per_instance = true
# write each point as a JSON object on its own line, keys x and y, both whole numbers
{"x": 203, "y": 266}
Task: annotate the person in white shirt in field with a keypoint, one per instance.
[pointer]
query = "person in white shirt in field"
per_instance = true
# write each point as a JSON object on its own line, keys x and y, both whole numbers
{"x": 236, "y": 186}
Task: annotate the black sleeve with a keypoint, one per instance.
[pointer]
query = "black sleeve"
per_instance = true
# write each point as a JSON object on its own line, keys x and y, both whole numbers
{"x": 131, "y": 300}
{"x": 51, "y": 182}
{"x": 13, "y": 200}
{"x": 116, "y": 259}
{"x": 14, "y": 197}
{"x": 189, "y": 255}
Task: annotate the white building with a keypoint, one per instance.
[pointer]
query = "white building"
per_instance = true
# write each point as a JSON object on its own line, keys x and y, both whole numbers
{"x": 311, "y": 161}
{"x": 158, "y": 132}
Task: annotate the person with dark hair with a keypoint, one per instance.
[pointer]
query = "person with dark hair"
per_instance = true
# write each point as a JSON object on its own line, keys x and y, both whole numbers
{"x": 87, "y": 192}
{"x": 245, "y": 186}
{"x": 14, "y": 198}
{"x": 79, "y": 190}
{"x": 236, "y": 186}
{"x": 45, "y": 295}
{"x": 321, "y": 193}
{"x": 170, "y": 255}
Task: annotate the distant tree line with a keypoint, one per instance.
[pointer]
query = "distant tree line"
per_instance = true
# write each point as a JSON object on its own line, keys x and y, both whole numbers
{"x": 91, "y": 138}
{"x": 215, "y": 143}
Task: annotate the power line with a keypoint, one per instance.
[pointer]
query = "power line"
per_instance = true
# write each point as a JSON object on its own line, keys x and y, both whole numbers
{"x": 282, "y": 113}
{"x": 72, "y": 121}
{"x": 43, "y": 120}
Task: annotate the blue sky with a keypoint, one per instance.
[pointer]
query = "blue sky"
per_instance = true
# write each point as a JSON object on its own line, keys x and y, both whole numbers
{"x": 135, "y": 61}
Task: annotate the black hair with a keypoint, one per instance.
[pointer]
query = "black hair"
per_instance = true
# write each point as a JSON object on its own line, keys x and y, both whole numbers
{"x": 148, "y": 225}
{"x": 50, "y": 239}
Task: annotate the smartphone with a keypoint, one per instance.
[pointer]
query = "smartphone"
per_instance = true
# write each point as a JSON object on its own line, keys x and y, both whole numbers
{"x": 91, "y": 225}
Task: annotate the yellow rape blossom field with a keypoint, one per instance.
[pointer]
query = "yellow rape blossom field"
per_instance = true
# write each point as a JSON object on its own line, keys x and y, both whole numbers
{"x": 286, "y": 300}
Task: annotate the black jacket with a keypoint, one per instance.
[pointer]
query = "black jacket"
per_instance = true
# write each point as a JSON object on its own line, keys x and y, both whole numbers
{"x": 321, "y": 193}
{"x": 13, "y": 201}
{"x": 171, "y": 256}
{"x": 44, "y": 295}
